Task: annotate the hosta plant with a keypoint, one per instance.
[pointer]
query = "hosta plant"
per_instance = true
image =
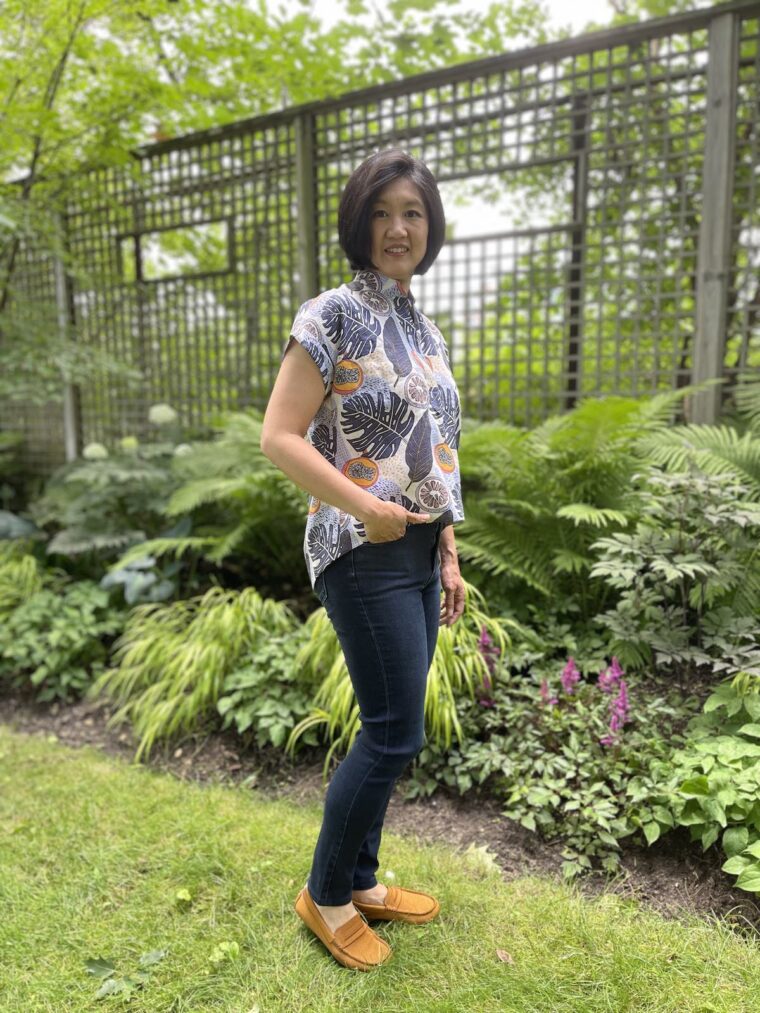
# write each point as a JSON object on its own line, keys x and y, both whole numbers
{"x": 712, "y": 784}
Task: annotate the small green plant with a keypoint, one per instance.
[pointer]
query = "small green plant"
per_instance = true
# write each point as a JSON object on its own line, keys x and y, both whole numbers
{"x": 57, "y": 638}
{"x": 712, "y": 783}
{"x": 560, "y": 758}
{"x": 265, "y": 697}
{"x": 126, "y": 984}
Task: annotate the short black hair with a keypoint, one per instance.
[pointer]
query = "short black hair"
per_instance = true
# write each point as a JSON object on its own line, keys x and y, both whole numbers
{"x": 363, "y": 187}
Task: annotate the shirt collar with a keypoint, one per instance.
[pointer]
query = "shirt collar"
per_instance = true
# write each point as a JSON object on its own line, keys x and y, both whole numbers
{"x": 371, "y": 278}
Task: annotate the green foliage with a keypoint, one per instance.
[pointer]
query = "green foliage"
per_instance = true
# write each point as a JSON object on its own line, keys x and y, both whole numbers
{"x": 692, "y": 559}
{"x": 100, "y": 505}
{"x": 56, "y": 638}
{"x": 265, "y": 697}
{"x": 457, "y": 669}
{"x": 712, "y": 784}
{"x": 20, "y": 575}
{"x": 545, "y": 760}
{"x": 172, "y": 660}
{"x": 246, "y": 515}
{"x": 536, "y": 500}
{"x": 125, "y": 984}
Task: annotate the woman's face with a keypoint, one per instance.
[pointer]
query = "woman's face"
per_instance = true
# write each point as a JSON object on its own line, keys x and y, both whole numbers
{"x": 398, "y": 222}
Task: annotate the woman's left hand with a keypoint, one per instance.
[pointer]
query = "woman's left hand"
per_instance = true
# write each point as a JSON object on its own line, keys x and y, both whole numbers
{"x": 452, "y": 586}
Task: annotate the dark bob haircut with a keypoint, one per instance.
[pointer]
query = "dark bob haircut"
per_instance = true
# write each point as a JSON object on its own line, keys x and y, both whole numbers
{"x": 363, "y": 188}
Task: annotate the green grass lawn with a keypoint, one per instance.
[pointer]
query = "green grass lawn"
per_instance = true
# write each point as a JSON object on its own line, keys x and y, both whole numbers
{"x": 93, "y": 852}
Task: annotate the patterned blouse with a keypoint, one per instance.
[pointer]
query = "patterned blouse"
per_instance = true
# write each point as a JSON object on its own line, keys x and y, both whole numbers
{"x": 390, "y": 420}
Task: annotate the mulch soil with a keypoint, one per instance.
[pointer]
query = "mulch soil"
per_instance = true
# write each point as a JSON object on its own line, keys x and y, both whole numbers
{"x": 673, "y": 876}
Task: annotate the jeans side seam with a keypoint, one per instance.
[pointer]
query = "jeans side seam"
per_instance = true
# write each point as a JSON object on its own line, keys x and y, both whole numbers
{"x": 387, "y": 719}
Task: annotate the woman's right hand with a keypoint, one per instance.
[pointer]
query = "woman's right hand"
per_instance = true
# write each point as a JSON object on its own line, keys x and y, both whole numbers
{"x": 389, "y": 520}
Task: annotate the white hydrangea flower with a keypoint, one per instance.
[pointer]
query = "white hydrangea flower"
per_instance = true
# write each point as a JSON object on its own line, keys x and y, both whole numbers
{"x": 182, "y": 450}
{"x": 95, "y": 452}
{"x": 129, "y": 443}
{"x": 161, "y": 414}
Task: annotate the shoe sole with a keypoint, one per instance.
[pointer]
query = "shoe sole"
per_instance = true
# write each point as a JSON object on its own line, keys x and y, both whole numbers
{"x": 316, "y": 923}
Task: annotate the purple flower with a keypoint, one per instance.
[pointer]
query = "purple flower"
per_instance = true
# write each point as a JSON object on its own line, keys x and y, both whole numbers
{"x": 610, "y": 677}
{"x": 544, "y": 691}
{"x": 619, "y": 709}
{"x": 488, "y": 649}
{"x": 570, "y": 675}
{"x": 489, "y": 652}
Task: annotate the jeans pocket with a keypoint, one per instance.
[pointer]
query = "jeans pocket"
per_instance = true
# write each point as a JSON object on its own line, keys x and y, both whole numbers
{"x": 434, "y": 564}
{"x": 320, "y": 588}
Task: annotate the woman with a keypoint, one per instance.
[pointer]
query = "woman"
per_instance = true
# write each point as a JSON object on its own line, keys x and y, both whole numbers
{"x": 369, "y": 379}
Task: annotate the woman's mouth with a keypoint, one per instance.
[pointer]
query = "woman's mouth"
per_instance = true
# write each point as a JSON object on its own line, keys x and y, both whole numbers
{"x": 397, "y": 251}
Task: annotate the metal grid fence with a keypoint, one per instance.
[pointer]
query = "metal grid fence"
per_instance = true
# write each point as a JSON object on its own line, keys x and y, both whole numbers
{"x": 615, "y": 274}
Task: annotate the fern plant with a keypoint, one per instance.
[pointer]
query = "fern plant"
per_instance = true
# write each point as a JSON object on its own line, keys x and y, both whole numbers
{"x": 246, "y": 514}
{"x": 458, "y": 668}
{"x": 536, "y": 500}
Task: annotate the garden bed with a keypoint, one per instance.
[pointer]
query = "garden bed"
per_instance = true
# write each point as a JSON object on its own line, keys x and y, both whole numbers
{"x": 671, "y": 877}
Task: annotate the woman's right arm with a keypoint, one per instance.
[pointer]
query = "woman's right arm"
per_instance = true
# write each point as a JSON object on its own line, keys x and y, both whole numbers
{"x": 296, "y": 396}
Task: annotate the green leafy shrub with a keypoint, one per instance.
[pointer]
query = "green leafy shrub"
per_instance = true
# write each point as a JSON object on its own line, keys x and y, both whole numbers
{"x": 712, "y": 783}
{"x": 691, "y": 565}
{"x": 247, "y": 516}
{"x": 265, "y": 698}
{"x": 57, "y": 638}
{"x": 107, "y": 500}
{"x": 172, "y": 660}
{"x": 559, "y": 758}
{"x": 536, "y": 499}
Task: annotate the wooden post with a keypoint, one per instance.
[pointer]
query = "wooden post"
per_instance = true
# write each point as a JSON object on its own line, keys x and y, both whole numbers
{"x": 306, "y": 187}
{"x": 71, "y": 408}
{"x": 713, "y": 263}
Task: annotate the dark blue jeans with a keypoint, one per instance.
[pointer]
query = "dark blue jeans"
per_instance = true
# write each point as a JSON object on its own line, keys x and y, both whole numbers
{"x": 383, "y": 600}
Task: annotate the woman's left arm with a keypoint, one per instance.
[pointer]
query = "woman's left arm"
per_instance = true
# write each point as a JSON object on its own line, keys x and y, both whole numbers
{"x": 452, "y": 606}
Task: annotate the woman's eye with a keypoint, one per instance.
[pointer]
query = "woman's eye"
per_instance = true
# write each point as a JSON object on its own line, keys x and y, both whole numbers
{"x": 412, "y": 211}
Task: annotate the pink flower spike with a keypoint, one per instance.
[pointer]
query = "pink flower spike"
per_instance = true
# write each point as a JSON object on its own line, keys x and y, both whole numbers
{"x": 615, "y": 670}
{"x": 570, "y": 675}
{"x": 607, "y": 680}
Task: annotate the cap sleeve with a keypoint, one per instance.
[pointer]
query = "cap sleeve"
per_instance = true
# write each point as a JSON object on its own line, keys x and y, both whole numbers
{"x": 310, "y": 332}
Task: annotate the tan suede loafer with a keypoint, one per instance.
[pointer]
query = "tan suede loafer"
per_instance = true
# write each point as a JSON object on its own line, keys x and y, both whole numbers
{"x": 353, "y": 944}
{"x": 402, "y": 905}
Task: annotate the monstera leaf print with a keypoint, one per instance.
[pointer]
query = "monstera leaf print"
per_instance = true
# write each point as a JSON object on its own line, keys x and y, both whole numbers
{"x": 323, "y": 543}
{"x": 358, "y": 329}
{"x": 426, "y": 341}
{"x": 419, "y": 453}
{"x": 325, "y": 440}
{"x": 444, "y": 405}
{"x": 375, "y": 424}
{"x": 395, "y": 349}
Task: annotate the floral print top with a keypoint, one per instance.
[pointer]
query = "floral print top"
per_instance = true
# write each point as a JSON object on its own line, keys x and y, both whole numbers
{"x": 390, "y": 420}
